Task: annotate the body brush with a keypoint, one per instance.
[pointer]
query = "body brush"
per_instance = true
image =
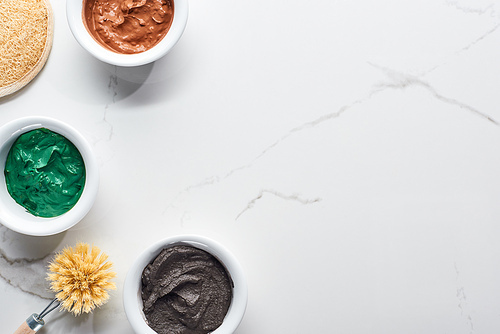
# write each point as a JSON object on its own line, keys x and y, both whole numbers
{"x": 80, "y": 277}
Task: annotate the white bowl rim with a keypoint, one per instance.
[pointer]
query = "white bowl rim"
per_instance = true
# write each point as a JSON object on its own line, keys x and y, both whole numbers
{"x": 13, "y": 215}
{"x": 75, "y": 20}
{"x": 132, "y": 287}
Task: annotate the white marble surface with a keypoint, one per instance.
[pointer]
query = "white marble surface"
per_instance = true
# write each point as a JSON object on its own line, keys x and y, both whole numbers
{"x": 347, "y": 152}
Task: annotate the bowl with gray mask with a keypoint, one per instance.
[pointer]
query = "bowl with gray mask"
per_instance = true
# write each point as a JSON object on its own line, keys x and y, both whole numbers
{"x": 185, "y": 284}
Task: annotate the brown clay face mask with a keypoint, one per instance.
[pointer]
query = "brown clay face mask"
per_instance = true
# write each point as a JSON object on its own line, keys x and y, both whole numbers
{"x": 128, "y": 26}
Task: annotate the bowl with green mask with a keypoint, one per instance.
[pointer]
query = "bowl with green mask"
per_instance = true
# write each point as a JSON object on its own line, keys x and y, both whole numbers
{"x": 50, "y": 176}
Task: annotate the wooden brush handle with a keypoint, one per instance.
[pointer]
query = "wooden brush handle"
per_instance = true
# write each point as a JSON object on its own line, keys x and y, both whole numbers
{"x": 31, "y": 325}
{"x": 24, "y": 329}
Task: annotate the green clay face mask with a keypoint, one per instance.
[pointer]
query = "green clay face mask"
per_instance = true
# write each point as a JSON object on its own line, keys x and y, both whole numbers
{"x": 44, "y": 173}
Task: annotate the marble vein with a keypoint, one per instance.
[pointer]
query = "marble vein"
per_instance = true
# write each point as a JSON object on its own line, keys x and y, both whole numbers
{"x": 22, "y": 261}
{"x": 402, "y": 81}
{"x": 26, "y": 275}
{"x": 212, "y": 180}
{"x": 397, "y": 80}
{"x": 293, "y": 197}
{"x": 465, "y": 48}
{"x": 462, "y": 301}
{"x": 472, "y": 43}
{"x": 470, "y": 10}
{"x": 113, "y": 89}
{"x": 480, "y": 38}
{"x": 310, "y": 125}
{"x": 206, "y": 182}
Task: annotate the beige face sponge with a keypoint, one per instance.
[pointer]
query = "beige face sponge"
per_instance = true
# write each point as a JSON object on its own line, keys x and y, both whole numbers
{"x": 26, "y": 32}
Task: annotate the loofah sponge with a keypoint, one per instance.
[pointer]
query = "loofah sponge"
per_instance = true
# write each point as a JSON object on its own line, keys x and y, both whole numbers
{"x": 25, "y": 40}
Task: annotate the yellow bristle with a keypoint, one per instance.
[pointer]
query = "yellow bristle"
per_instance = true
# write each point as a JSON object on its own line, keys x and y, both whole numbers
{"x": 80, "y": 277}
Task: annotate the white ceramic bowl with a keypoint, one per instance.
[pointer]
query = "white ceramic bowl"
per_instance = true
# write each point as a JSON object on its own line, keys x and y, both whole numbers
{"x": 74, "y": 10}
{"x": 132, "y": 289}
{"x": 13, "y": 215}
